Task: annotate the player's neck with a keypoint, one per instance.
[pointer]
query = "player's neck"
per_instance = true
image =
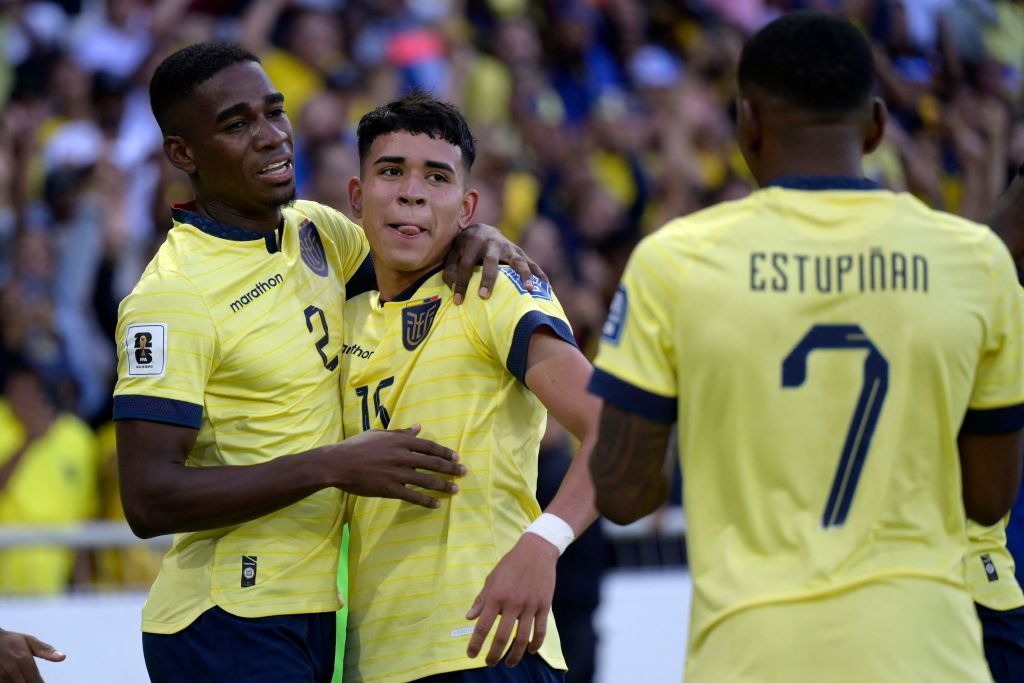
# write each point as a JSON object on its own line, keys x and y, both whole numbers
{"x": 813, "y": 155}
{"x": 265, "y": 221}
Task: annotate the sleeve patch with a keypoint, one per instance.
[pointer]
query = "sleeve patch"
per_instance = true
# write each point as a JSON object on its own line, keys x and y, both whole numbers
{"x": 541, "y": 289}
{"x": 145, "y": 347}
{"x": 616, "y": 320}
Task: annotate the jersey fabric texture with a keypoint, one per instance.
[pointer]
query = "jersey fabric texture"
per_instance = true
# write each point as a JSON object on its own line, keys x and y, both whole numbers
{"x": 53, "y": 483}
{"x": 820, "y": 345}
{"x": 459, "y": 372}
{"x": 989, "y": 567}
{"x": 237, "y": 334}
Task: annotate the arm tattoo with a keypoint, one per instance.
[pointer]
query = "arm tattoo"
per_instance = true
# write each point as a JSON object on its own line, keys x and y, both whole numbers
{"x": 628, "y": 465}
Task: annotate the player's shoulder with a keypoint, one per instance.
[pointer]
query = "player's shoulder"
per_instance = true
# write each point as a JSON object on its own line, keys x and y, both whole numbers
{"x": 323, "y": 216}
{"x": 968, "y": 234}
{"x": 697, "y": 228}
{"x": 510, "y": 285}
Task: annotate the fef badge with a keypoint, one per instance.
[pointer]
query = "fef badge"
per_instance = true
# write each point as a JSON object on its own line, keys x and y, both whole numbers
{"x": 416, "y": 321}
{"x": 312, "y": 249}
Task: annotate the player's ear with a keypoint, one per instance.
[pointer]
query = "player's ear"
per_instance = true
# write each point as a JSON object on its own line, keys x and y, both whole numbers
{"x": 179, "y": 154}
{"x": 355, "y": 196}
{"x": 748, "y": 129}
{"x": 876, "y": 127}
{"x": 469, "y": 201}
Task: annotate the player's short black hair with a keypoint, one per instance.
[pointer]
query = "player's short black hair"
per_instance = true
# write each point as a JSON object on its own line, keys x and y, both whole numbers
{"x": 816, "y": 61}
{"x": 418, "y": 113}
{"x": 183, "y": 71}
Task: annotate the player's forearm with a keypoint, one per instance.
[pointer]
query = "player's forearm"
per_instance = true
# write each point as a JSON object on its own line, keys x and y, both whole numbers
{"x": 176, "y": 498}
{"x": 1007, "y": 218}
{"x": 574, "y": 501}
{"x": 629, "y": 465}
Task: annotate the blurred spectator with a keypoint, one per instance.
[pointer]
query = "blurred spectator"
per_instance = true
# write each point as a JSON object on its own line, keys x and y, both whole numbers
{"x": 47, "y": 476}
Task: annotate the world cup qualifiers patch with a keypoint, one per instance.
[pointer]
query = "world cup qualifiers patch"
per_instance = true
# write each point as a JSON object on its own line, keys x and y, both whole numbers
{"x": 146, "y": 349}
{"x": 616, "y": 320}
{"x": 541, "y": 289}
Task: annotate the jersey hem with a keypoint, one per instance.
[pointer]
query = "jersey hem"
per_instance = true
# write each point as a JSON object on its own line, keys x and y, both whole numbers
{"x": 994, "y": 420}
{"x": 631, "y": 398}
{"x": 157, "y": 409}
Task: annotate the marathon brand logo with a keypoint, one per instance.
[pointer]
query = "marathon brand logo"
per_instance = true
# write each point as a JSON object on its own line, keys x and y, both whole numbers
{"x": 248, "y": 571}
{"x": 259, "y": 288}
{"x": 417, "y": 320}
{"x": 145, "y": 348}
{"x": 355, "y": 350}
{"x": 312, "y": 249}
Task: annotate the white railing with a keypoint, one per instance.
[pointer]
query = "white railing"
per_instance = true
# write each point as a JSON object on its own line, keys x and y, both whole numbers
{"x": 96, "y": 534}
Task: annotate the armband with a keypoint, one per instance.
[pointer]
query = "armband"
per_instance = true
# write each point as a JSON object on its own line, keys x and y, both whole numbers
{"x": 552, "y": 529}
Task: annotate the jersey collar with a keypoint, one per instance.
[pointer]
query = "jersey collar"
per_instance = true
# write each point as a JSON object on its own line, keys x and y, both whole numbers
{"x": 821, "y": 182}
{"x": 186, "y": 213}
{"x": 409, "y": 291}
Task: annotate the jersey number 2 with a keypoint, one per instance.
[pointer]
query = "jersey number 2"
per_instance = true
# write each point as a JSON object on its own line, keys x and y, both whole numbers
{"x": 321, "y": 343}
{"x": 865, "y": 415}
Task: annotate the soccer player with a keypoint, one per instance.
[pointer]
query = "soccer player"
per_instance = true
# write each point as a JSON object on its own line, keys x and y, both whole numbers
{"x": 838, "y": 357}
{"x": 16, "y": 657}
{"x": 227, "y": 403}
{"x": 478, "y": 378}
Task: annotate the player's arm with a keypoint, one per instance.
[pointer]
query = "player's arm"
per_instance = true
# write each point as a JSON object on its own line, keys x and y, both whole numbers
{"x": 1007, "y": 218}
{"x": 480, "y": 243}
{"x": 990, "y": 466}
{"x": 520, "y": 588}
{"x": 631, "y": 466}
{"x": 161, "y": 495}
{"x": 17, "y": 652}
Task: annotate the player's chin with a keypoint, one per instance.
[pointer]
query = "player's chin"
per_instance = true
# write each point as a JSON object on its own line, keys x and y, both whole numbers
{"x": 281, "y": 195}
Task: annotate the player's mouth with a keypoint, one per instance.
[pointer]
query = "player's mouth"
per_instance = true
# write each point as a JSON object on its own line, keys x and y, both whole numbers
{"x": 409, "y": 230}
{"x": 277, "y": 172}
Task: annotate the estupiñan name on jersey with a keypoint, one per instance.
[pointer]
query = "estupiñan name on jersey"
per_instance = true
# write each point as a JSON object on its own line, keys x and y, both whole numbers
{"x": 876, "y": 270}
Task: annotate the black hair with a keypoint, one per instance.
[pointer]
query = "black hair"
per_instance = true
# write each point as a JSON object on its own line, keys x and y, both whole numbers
{"x": 177, "y": 77}
{"x": 418, "y": 113}
{"x": 815, "y": 61}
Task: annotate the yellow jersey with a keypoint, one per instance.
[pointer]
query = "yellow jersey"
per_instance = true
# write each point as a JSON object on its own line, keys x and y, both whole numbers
{"x": 237, "y": 333}
{"x": 459, "y": 372}
{"x": 820, "y": 350}
{"x": 989, "y": 567}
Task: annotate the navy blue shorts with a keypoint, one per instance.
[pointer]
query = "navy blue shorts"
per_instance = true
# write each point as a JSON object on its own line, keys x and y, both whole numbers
{"x": 1003, "y": 635}
{"x": 531, "y": 669}
{"x": 292, "y": 648}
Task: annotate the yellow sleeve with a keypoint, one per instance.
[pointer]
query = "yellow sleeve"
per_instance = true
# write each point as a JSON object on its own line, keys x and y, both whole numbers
{"x": 348, "y": 237}
{"x": 506, "y": 321}
{"x": 166, "y": 347}
{"x": 635, "y": 368}
{"x": 997, "y": 399}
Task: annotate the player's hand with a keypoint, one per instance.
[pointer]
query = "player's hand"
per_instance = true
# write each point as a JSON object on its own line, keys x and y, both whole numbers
{"x": 384, "y": 463}
{"x": 16, "y": 657}
{"x": 484, "y": 243}
{"x": 519, "y": 590}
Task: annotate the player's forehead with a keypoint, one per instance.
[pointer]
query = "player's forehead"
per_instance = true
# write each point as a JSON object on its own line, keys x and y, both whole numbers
{"x": 240, "y": 84}
{"x": 414, "y": 149}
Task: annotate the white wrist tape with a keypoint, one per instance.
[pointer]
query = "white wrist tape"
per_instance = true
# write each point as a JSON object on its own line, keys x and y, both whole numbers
{"x": 552, "y": 529}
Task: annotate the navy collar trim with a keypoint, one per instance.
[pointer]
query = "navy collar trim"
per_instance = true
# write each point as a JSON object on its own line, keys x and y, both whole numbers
{"x": 408, "y": 292}
{"x": 820, "y": 182}
{"x": 183, "y": 213}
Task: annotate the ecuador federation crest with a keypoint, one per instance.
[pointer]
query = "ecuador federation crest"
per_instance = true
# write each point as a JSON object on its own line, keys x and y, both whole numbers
{"x": 416, "y": 321}
{"x": 312, "y": 249}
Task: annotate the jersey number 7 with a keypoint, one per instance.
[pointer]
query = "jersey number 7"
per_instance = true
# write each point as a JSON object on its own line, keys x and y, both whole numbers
{"x": 865, "y": 415}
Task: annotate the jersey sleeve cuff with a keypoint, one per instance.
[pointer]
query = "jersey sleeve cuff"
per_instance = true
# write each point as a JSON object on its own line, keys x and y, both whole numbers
{"x": 632, "y": 399}
{"x": 525, "y": 328}
{"x": 994, "y": 420}
{"x": 155, "y": 409}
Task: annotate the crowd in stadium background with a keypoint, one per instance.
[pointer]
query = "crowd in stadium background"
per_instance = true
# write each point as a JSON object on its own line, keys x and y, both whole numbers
{"x": 597, "y": 121}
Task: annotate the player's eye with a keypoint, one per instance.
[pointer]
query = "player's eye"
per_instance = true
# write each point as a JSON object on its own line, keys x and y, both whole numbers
{"x": 236, "y": 125}
{"x": 390, "y": 171}
{"x": 277, "y": 112}
{"x": 437, "y": 177}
